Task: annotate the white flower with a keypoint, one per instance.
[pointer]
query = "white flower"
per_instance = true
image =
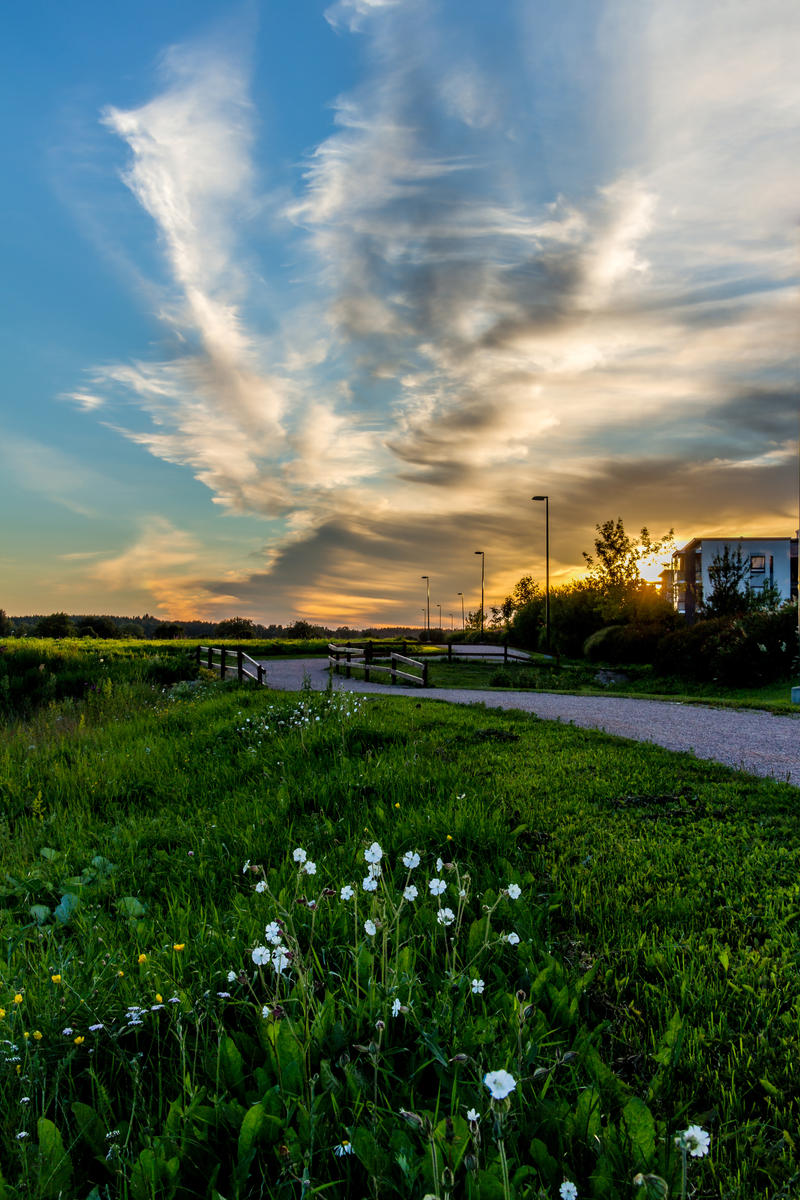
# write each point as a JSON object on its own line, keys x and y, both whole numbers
{"x": 410, "y": 893}
{"x": 67, "y": 1032}
{"x": 445, "y": 916}
{"x": 514, "y": 893}
{"x": 347, "y": 892}
{"x": 411, "y": 859}
{"x": 462, "y": 893}
{"x": 436, "y": 886}
{"x": 232, "y": 977}
{"x": 473, "y": 1115}
{"x": 310, "y": 867}
{"x": 343, "y": 1147}
{"x": 512, "y": 939}
{"x": 96, "y": 1028}
{"x": 280, "y": 959}
{"x": 374, "y": 870}
{"x": 246, "y": 867}
{"x": 696, "y": 1141}
{"x": 299, "y": 855}
{"x": 568, "y": 1191}
{"x": 396, "y": 1006}
{"x": 477, "y": 987}
{"x": 261, "y": 886}
{"x": 373, "y": 853}
{"x": 500, "y": 1084}
{"x": 371, "y": 928}
{"x": 22, "y": 1135}
{"x": 260, "y": 956}
{"x": 439, "y": 864}
{"x": 370, "y": 884}
{"x": 266, "y": 1011}
{"x": 273, "y": 933}
{"x": 222, "y": 996}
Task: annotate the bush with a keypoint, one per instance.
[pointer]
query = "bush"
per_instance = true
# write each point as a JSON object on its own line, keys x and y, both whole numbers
{"x": 747, "y": 651}
{"x": 620, "y": 644}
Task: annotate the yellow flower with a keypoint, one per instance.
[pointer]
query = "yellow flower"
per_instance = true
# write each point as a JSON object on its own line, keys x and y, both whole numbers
{"x": 55, "y": 979}
{"x": 142, "y": 958}
{"x": 397, "y": 805}
{"x": 19, "y": 1068}
{"x": 120, "y": 974}
{"x": 449, "y": 837}
{"x": 179, "y": 945}
{"x": 18, "y": 998}
{"x": 37, "y": 1033}
{"x": 2, "y": 1013}
{"x": 78, "y": 1040}
{"x": 26, "y": 1035}
{"x": 159, "y": 998}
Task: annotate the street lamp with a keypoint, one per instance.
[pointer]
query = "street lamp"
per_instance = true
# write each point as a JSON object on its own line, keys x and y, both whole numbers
{"x": 451, "y": 622}
{"x": 440, "y": 617}
{"x": 463, "y": 622}
{"x": 546, "y": 567}
{"x": 483, "y": 576}
{"x": 428, "y": 618}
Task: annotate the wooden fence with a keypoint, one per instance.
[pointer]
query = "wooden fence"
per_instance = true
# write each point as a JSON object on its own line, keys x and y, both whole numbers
{"x": 345, "y": 658}
{"x": 505, "y": 652}
{"x": 224, "y": 661}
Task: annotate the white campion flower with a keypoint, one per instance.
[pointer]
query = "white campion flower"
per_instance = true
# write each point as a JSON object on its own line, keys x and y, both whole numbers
{"x": 246, "y": 867}
{"x": 477, "y": 987}
{"x": 373, "y": 853}
{"x": 371, "y": 928}
{"x": 375, "y": 870}
{"x": 439, "y": 864}
{"x": 436, "y": 886}
{"x": 309, "y": 867}
{"x": 260, "y": 956}
{"x": 512, "y": 938}
{"x": 261, "y": 886}
{"x": 411, "y": 859}
{"x": 473, "y": 1114}
{"x": 273, "y": 933}
{"x": 396, "y": 1006}
{"x": 346, "y": 893}
{"x": 370, "y": 884}
{"x": 299, "y": 855}
{"x": 696, "y": 1140}
{"x": 514, "y": 891}
{"x": 266, "y": 1011}
{"x": 232, "y": 977}
{"x": 445, "y": 916}
{"x": 280, "y": 959}
{"x": 410, "y": 893}
{"x": 568, "y": 1191}
{"x": 500, "y": 1084}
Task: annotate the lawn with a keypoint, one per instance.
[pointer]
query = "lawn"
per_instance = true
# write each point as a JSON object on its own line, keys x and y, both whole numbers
{"x": 271, "y": 945}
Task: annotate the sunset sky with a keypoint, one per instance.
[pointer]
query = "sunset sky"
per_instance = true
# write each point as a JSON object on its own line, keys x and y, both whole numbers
{"x": 303, "y": 300}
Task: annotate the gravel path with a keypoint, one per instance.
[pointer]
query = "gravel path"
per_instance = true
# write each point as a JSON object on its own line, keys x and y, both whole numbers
{"x": 747, "y": 740}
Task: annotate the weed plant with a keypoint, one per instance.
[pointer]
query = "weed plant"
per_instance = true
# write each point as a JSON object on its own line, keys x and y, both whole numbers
{"x": 265, "y": 945}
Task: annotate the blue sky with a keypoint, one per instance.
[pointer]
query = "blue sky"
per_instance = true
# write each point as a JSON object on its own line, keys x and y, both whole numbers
{"x": 305, "y": 300}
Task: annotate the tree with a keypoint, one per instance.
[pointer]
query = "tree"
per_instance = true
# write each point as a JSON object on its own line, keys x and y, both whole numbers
{"x": 5, "y": 624}
{"x": 615, "y": 571}
{"x": 727, "y": 574}
{"x": 241, "y": 628}
{"x": 57, "y": 625}
{"x": 168, "y": 629}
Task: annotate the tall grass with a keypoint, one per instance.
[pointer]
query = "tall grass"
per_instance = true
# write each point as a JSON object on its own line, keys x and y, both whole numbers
{"x": 194, "y": 1003}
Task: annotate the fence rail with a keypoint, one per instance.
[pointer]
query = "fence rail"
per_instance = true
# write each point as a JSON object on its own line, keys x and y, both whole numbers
{"x": 223, "y": 660}
{"x": 345, "y": 658}
{"x": 507, "y": 653}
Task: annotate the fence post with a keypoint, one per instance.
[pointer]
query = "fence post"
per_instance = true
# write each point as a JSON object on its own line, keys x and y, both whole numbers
{"x": 347, "y": 668}
{"x": 394, "y": 667}
{"x": 222, "y": 663}
{"x": 424, "y": 673}
{"x": 210, "y": 658}
{"x": 449, "y": 651}
{"x": 197, "y": 657}
{"x": 240, "y": 664}
{"x": 403, "y": 650}
{"x": 260, "y": 674}
{"x": 368, "y": 652}
{"x": 505, "y": 652}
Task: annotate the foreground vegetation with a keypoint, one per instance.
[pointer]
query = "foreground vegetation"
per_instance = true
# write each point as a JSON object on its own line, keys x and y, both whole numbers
{"x": 270, "y": 945}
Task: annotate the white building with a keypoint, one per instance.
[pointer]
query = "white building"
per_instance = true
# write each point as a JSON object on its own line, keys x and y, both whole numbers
{"x": 766, "y": 559}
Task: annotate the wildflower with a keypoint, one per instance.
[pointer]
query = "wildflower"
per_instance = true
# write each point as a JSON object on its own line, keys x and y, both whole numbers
{"x": 396, "y": 1006}
{"x": 261, "y": 886}
{"x": 514, "y": 892}
{"x": 174, "y": 1000}
{"x": 18, "y": 998}
{"x": 224, "y": 995}
{"x": 2, "y": 1013}
{"x": 280, "y": 959}
{"x": 397, "y": 804}
{"x": 120, "y": 974}
{"x": 342, "y": 1148}
{"x": 159, "y": 998}
{"x": 347, "y": 892}
{"x": 96, "y": 1028}
{"x": 370, "y": 928}
{"x": 37, "y": 1035}
{"x": 26, "y": 1035}
{"x": 439, "y": 864}
{"x": 477, "y": 987}
{"x": 473, "y": 1115}
{"x": 449, "y": 837}
{"x": 410, "y": 893}
{"x": 273, "y": 933}
{"x": 55, "y": 979}
{"x": 179, "y": 946}
{"x": 445, "y": 916}
{"x": 260, "y": 956}
{"x": 67, "y": 1032}
{"x": 411, "y": 859}
{"x": 373, "y": 853}
{"x": 500, "y": 1084}
{"x": 22, "y": 1135}
{"x": 266, "y": 1011}
{"x": 568, "y": 1191}
{"x": 512, "y": 938}
{"x": 310, "y": 867}
{"x": 695, "y": 1140}
{"x": 246, "y": 867}
{"x": 79, "y": 1040}
{"x": 231, "y": 977}
{"x": 24, "y": 1099}
{"x": 299, "y": 855}
{"x": 436, "y": 886}
{"x": 142, "y": 959}
{"x": 374, "y": 870}
{"x": 370, "y": 884}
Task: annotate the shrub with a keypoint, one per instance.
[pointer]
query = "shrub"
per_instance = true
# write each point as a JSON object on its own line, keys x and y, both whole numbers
{"x": 619, "y": 644}
{"x": 747, "y": 651}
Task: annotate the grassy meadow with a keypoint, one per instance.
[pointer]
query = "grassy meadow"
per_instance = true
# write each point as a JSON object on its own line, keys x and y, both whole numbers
{"x": 269, "y": 945}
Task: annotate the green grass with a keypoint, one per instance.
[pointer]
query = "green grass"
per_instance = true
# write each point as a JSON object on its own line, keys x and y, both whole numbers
{"x": 655, "y": 983}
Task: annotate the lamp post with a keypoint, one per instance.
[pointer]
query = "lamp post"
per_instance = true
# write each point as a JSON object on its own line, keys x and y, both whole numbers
{"x": 428, "y": 617}
{"x": 483, "y": 576}
{"x": 463, "y": 622}
{"x": 546, "y": 567}
{"x": 451, "y": 622}
{"x": 440, "y": 617}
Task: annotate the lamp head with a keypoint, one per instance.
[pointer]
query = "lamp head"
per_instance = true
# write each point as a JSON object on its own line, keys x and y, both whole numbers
{"x": 538, "y": 497}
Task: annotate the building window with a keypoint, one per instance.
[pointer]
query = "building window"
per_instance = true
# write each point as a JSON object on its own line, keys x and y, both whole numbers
{"x": 758, "y": 564}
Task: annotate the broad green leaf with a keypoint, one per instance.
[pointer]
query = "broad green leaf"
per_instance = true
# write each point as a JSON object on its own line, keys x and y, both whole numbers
{"x": 39, "y": 912}
{"x": 49, "y": 853}
{"x": 641, "y": 1130}
{"x": 90, "y": 1127}
{"x": 232, "y": 1063}
{"x": 55, "y": 1168}
{"x": 366, "y": 1150}
{"x": 587, "y": 1115}
{"x": 131, "y": 907}
{"x": 66, "y": 908}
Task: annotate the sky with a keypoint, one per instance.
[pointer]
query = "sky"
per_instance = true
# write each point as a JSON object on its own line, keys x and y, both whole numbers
{"x": 303, "y": 301}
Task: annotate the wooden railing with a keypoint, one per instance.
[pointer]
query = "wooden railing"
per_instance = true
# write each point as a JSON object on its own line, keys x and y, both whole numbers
{"x": 505, "y": 652}
{"x": 347, "y": 658}
{"x": 224, "y": 660}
